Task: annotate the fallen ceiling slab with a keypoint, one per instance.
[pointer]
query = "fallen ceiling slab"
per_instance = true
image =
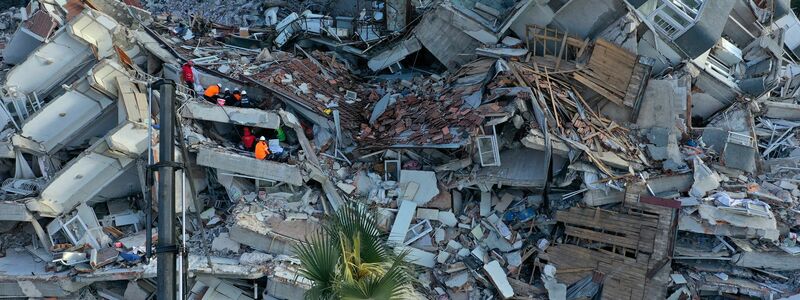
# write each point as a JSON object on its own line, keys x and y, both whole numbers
{"x": 249, "y": 166}
{"x": 229, "y": 114}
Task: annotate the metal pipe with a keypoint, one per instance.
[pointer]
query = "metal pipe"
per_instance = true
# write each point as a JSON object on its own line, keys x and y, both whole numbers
{"x": 166, "y": 248}
{"x": 183, "y": 256}
{"x": 148, "y": 175}
{"x": 192, "y": 189}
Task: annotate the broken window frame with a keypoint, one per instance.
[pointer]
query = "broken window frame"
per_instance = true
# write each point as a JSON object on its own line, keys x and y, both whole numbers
{"x": 395, "y": 172}
{"x": 417, "y": 231}
{"x": 713, "y": 64}
{"x": 739, "y": 139}
{"x": 495, "y": 150}
{"x": 672, "y": 19}
{"x": 73, "y": 236}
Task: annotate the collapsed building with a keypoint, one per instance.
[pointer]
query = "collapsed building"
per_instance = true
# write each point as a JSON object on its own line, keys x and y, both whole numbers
{"x": 514, "y": 149}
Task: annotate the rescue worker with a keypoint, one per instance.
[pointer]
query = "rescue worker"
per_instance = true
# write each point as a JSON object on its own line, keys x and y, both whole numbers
{"x": 280, "y": 134}
{"x": 212, "y": 93}
{"x": 187, "y": 74}
{"x": 248, "y": 139}
{"x": 237, "y": 96}
{"x": 225, "y": 98}
{"x": 262, "y": 149}
{"x": 245, "y": 100}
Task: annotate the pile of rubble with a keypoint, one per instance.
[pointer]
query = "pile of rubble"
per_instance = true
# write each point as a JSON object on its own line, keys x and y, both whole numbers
{"x": 513, "y": 149}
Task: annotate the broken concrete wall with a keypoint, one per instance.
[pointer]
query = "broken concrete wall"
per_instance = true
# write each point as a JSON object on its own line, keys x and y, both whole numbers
{"x": 21, "y": 45}
{"x": 107, "y": 159}
{"x": 233, "y": 115}
{"x": 586, "y": 19}
{"x": 266, "y": 232}
{"x": 69, "y": 49}
{"x": 89, "y": 173}
{"x": 652, "y": 45}
{"x": 447, "y": 34}
{"x": 72, "y": 114}
{"x": 264, "y": 169}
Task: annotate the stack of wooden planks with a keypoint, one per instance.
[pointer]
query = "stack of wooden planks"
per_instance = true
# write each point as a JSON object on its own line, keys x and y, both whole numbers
{"x": 614, "y": 73}
{"x": 630, "y": 247}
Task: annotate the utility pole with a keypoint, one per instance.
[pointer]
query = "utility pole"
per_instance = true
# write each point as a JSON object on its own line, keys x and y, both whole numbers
{"x": 166, "y": 249}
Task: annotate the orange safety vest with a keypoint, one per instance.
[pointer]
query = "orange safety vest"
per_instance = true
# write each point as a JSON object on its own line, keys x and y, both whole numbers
{"x": 212, "y": 90}
{"x": 262, "y": 150}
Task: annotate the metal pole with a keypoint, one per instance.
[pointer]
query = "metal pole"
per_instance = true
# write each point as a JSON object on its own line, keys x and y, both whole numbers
{"x": 148, "y": 195}
{"x": 166, "y": 248}
{"x": 183, "y": 256}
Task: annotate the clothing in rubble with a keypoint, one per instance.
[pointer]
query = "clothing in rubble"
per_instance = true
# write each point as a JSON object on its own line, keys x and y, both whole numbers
{"x": 262, "y": 149}
{"x": 248, "y": 139}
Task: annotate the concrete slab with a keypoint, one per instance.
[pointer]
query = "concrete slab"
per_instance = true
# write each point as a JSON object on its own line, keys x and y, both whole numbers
{"x": 428, "y": 214}
{"x": 715, "y": 138}
{"x": 740, "y": 157}
{"x": 448, "y": 218}
{"x": 245, "y": 165}
{"x": 134, "y": 292}
{"x": 427, "y": 182}
{"x": 780, "y": 110}
{"x": 498, "y": 277}
{"x": 273, "y": 236}
{"x": 486, "y": 204}
{"x": 255, "y": 258}
{"x": 402, "y": 222}
{"x": 419, "y": 257}
{"x": 233, "y": 115}
{"x": 223, "y": 242}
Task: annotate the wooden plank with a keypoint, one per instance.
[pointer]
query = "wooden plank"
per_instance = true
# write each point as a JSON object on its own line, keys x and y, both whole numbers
{"x": 561, "y": 51}
{"x": 600, "y": 219}
{"x": 607, "y": 59}
{"x": 608, "y": 55}
{"x": 622, "y": 52}
{"x": 628, "y": 241}
{"x": 600, "y": 90}
{"x": 607, "y": 82}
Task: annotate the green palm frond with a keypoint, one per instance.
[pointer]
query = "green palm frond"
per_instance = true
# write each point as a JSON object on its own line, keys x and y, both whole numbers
{"x": 356, "y": 219}
{"x": 349, "y": 259}
{"x": 319, "y": 257}
{"x": 394, "y": 284}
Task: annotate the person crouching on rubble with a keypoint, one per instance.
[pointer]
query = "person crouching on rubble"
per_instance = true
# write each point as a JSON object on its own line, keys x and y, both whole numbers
{"x": 212, "y": 93}
{"x": 225, "y": 98}
{"x": 262, "y": 149}
{"x": 237, "y": 96}
{"x": 187, "y": 75}
{"x": 248, "y": 139}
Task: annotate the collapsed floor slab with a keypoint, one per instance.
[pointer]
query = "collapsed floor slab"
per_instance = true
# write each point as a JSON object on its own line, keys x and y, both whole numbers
{"x": 273, "y": 235}
{"x": 245, "y": 165}
{"x": 229, "y": 114}
{"x": 74, "y": 113}
{"x": 70, "y": 48}
{"x": 107, "y": 159}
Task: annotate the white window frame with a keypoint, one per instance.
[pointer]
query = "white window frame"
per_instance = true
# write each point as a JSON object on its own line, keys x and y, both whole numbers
{"x": 669, "y": 22}
{"x": 494, "y": 149}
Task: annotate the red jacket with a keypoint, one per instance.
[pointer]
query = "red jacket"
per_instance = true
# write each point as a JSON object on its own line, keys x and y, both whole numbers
{"x": 186, "y": 73}
{"x": 248, "y": 139}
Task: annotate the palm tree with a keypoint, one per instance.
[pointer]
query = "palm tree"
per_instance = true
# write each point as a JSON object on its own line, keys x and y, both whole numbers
{"x": 349, "y": 259}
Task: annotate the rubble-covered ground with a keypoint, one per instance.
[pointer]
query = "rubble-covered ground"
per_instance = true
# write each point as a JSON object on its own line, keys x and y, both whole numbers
{"x": 516, "y": 149}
